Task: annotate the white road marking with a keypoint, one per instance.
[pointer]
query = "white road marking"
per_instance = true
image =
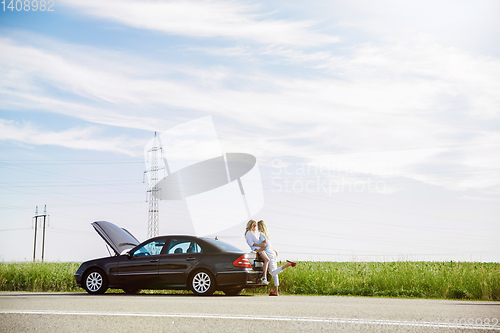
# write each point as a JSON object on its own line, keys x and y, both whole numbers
{"x": 299, "y": 321}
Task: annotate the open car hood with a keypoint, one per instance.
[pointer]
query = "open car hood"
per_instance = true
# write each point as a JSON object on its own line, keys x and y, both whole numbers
{"x": 118, "y": 238}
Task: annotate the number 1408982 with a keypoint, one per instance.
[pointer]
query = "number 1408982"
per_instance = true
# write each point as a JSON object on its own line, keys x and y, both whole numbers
{"x": 28, "y": 5}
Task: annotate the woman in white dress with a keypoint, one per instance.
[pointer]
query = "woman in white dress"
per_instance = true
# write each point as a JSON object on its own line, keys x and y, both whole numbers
{"x": 253, "y": 241}
{"x": 265, "y": 240}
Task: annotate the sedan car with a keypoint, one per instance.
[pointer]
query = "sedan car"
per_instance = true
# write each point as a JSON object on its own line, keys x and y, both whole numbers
{"x": 200, "y": 264}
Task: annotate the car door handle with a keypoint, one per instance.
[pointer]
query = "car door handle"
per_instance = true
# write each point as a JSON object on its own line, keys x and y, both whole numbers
{"x": 154, "y": 260}
{"x": 190, "y": 258}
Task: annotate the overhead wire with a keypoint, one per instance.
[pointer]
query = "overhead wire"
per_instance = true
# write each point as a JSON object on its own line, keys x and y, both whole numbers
{"x": 371, "y": 151}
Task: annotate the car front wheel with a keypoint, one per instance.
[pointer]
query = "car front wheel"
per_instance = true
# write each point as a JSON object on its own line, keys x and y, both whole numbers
{"x": 96, "y": 282}
{"x": 203, "y": 283}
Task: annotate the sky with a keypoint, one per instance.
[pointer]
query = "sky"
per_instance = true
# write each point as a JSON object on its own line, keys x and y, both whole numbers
{"x": 375, "y": 124}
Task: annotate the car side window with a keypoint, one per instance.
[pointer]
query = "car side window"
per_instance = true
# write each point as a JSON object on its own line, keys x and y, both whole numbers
{"x": 152, "y": 248}
{"x": 181, "y": 245}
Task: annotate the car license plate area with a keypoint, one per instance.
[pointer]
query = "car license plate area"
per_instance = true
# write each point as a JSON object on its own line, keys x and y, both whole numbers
{"x": 258, "y": 263}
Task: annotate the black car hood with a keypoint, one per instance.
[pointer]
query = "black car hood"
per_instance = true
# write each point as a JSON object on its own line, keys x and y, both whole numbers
{"x": 118, "y": 238}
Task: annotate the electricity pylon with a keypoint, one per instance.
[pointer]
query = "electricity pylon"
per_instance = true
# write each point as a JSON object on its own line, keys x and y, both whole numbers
{"x": 153, "y": 192}
{"x": 44, "y": 215}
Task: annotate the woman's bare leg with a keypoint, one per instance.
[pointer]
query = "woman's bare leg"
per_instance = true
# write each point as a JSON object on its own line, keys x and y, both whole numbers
{"x": 264, "y": 257}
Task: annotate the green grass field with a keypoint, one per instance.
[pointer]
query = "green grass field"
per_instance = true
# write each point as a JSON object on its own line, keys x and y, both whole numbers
{"x": 447, "y": 280}
{"x": 54, "y": 276}
{"x": 450, "y": 280}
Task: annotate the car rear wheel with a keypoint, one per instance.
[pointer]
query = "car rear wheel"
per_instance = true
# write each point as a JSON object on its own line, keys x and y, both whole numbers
{"x": 96, "y": 282}
{"x": 202, "y": 283}
{"x": 233, "y": 292}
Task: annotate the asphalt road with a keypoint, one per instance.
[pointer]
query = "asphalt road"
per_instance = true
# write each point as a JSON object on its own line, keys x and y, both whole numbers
{"x": 58, "y": 312}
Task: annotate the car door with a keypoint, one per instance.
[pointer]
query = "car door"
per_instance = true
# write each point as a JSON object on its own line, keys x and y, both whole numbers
{"x": 177, "y": 260}
{"x": 139, "y": 268}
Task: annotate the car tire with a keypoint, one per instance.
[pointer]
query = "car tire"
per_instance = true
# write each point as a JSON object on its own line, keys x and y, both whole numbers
{"x": 95, "y": 282}
{"x": 202, "y": 283}
{"x": 233, "y": 292}
{"x": 131, "y": 291}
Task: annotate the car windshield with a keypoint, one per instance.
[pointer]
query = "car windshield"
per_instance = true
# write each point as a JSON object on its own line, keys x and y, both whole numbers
{"x": 223, "y": 245}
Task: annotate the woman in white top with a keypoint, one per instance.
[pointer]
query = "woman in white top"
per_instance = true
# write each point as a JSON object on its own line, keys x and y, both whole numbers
{"x": 253, "y": 241}
{"x": 265, "y": 240}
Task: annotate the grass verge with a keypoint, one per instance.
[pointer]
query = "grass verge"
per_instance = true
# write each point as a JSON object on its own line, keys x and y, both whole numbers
{"x": 445, "y": 280}
{"x": 28, "y": 276}
{"x": 448, "y": 280}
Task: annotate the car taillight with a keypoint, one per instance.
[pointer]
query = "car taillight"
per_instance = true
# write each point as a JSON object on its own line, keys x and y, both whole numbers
{"x": 242, "y": 261}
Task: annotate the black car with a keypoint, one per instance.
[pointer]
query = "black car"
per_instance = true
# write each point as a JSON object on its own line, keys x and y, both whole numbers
{"x": 202, "y": 265}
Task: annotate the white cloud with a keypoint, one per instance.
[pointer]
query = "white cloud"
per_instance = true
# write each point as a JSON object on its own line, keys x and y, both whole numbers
{"x": 209, "y": 18}
{"x": 380, "y": 97}
{"x": 464, "y": 24}
{"x": 74, "y": 138}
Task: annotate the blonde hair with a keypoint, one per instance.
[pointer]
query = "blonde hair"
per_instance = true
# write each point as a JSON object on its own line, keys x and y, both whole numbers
{"x": 249, "y": 226}
{"x": 263, "y": 228}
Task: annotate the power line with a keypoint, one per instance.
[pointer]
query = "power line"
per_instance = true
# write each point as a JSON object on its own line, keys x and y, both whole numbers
{"x": 15, "y": 229}
{"x": 329, "y": 200}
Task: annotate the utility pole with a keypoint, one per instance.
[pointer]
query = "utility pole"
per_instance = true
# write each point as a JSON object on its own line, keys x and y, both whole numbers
{"x": 153, "y": 219}
{"x": 44, "y": 215}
